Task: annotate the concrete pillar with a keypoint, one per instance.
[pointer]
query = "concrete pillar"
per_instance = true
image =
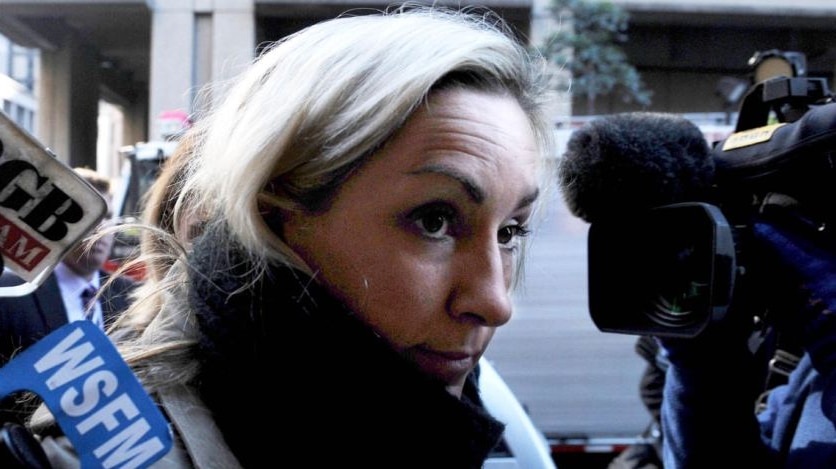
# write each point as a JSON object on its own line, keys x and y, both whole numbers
{"x": 136, "y": 120}
{"x": 192, "y": 44}
{"x": 172, "y": 59}
{"x": 233, "y": 39}
{"x": 68, "y": 95}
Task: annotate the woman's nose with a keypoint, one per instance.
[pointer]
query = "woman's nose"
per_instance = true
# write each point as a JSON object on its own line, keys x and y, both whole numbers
{"x": 481, "y": 291}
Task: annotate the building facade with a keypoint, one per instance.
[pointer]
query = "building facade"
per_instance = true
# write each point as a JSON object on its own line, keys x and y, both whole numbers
{"x": 146, "y": 57}
{"x": 18, "y": 72}
{"x": 684, "y": 49}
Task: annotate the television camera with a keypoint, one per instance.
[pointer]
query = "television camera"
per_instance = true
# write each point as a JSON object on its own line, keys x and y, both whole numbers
{"x": 672, "y": 270}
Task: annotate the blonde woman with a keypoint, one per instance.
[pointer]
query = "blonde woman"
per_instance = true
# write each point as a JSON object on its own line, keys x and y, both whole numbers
{"x": 352, "y": 218}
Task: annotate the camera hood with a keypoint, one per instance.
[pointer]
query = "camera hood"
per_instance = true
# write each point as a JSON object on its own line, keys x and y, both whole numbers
{"x": 668, "y": 271}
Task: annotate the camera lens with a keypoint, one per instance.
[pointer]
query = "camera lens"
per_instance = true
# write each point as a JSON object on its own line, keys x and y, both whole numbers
{"x": 668, "y": 271}
{"x": 682, "y": 281}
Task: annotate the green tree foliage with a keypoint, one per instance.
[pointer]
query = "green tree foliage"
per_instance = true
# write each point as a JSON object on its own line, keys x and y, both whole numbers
{"x": 587, "y": 44}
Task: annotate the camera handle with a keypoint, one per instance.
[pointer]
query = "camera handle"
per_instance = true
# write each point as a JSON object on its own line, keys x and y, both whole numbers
{"x": 788, "y": 97}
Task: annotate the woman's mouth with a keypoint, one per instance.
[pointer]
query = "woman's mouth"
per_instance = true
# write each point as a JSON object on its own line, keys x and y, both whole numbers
{"x": 449, "y": 366}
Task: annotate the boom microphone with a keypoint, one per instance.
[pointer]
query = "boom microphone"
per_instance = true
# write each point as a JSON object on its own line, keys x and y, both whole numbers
{"x": 632, "y": 161}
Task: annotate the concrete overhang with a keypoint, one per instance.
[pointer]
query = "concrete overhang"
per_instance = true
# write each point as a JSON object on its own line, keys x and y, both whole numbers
{"x": 740, "y": 13}
{"x": 117, "y": 30}
{"x": 120, "y": 30}
{"x": 516, "y": 12}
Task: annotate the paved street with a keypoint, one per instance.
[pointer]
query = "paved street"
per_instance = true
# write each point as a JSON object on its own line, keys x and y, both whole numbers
{"x": 574, "y": 379}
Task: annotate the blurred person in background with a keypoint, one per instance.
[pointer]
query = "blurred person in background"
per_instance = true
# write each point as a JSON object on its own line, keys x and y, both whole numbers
{"x": 647, "y": 453}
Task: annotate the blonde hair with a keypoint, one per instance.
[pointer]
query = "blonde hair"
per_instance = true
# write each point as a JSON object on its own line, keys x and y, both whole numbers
{"x": 310, "y": 110}
{"x": 317, "y": 103}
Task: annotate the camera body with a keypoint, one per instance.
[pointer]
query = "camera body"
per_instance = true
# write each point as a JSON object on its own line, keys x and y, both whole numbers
{"x": 673, "y": 270}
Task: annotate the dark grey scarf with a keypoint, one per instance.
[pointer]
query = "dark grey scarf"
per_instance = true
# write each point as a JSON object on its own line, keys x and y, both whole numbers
{"x": 284, "y": 353}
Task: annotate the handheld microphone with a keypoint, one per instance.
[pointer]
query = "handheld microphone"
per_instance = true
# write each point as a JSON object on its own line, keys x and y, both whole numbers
{"x": 45, "y": 207}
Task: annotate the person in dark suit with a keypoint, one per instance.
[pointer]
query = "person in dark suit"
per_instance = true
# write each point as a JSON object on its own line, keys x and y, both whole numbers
{"x": 69, "y": 293}
{"x": 26, "y": 319}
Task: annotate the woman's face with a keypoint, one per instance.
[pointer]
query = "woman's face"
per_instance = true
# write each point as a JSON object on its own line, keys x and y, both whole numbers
{"x": 422, "y": 241}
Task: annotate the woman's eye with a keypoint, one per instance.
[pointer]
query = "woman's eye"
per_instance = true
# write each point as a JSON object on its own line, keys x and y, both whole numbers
{"x": 433, "y": 222}
{"x": 508, "y": 234}
{"x": 434, "y": 225}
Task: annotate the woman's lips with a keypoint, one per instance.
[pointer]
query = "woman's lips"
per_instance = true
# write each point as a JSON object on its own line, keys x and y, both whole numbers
{"x": 447, "y": 365}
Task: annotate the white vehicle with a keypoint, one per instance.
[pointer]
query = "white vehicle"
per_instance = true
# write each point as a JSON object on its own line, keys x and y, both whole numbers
{"x": 525, "y": 447}
{"x": 143, "y": 163}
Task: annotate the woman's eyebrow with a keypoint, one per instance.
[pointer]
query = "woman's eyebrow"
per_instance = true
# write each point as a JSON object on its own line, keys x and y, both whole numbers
{"x": 529, "y": 199}
{"x": 476, "y": 193}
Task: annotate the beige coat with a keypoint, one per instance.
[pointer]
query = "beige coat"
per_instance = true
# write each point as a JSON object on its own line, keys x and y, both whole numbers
{"x": 198, "y": 444}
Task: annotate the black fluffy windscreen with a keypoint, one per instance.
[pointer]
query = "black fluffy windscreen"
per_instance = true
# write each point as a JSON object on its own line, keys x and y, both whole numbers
{"x": 634, "y": 161}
